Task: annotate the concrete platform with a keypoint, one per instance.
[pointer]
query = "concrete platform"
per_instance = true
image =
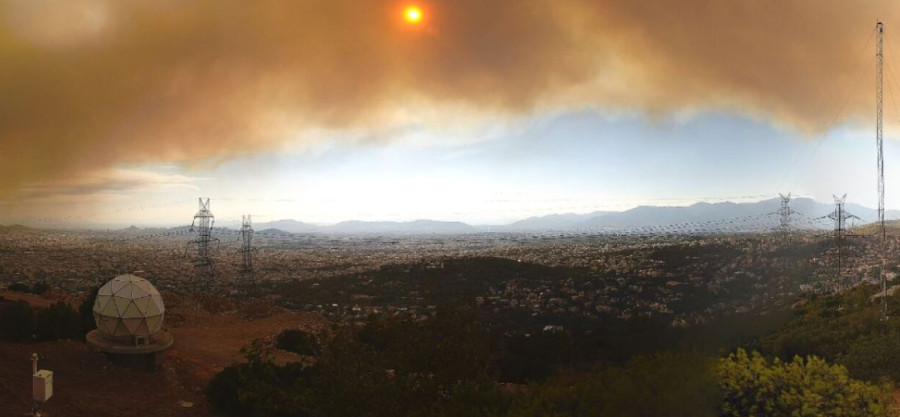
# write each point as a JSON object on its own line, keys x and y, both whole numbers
{"x": 158, "y": 341}
{"x": 147, "y": 357}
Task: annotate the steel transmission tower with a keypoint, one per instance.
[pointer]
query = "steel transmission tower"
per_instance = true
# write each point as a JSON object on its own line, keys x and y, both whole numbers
{"x": 204, "y": 273}
{"x": 784, "y": 214}
{"x": 879, "y": 133}
{"x": 247, "y": 280}
{"x": 840, "y": 217}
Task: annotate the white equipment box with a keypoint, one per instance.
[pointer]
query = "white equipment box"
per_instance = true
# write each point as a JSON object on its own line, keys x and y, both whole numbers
{"x": 42, "y": 385}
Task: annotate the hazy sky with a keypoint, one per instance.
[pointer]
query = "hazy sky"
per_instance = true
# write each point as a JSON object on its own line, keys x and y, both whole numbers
{"x": 126, "y": 111}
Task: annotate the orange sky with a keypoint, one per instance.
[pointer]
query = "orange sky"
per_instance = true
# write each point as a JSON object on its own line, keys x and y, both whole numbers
{"x": 89, "y": 85}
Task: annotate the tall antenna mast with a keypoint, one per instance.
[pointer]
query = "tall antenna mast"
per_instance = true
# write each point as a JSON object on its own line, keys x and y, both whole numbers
{"x": 879, "y": 128}
{"x": 879, "y": 133}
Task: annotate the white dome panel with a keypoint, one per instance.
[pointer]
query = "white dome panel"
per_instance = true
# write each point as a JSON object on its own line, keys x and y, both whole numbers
{"x": 121, "y": 304}
{"x": 128, "y": 306}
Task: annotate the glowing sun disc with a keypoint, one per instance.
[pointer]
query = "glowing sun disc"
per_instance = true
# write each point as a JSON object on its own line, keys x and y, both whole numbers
{"x": 413, "y": 14}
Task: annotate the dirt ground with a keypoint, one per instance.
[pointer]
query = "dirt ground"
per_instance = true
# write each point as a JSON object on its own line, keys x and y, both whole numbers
{"x": 87, "y": 384}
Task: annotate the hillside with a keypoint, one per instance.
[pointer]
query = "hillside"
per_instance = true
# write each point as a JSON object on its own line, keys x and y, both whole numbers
{"x": 205, "y": 343}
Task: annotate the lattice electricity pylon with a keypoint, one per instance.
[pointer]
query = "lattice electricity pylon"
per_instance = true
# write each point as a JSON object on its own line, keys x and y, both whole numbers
{"x": 840, "y": 217}
{"x": 784, "y": 213}
{"x": 247, "y": 280}
{"x": 204, "y": 271}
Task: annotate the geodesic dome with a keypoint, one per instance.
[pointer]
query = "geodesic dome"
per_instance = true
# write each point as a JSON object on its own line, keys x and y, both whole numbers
{"x": 128, "y": 306}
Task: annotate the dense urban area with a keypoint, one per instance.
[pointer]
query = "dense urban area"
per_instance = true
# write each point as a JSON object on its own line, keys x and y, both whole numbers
{"x": 532, "y": 310}
{"x": 686, "y": 279}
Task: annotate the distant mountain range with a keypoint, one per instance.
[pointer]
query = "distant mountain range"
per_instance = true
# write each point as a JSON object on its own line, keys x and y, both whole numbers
{"x": 748, "y": 215}
{"x": 557, "y": 221}
{"x": 700, "y": 216}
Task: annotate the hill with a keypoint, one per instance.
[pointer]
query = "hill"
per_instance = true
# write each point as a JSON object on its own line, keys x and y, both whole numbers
{"x": 747, "y": 215}
{"x": 416, "y": 226}
{"x": 554, "y": 221}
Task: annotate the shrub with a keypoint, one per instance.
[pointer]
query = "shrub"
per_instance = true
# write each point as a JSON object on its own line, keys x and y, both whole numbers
{"x": 86, "y": 311}
{"x": 666, "y": 384}
{"x": 17, "y": 322}
{"x": 802, "y": 387}
{"x": 59, "y": 321}
{"x": 40, "y": 287}
{"x": 298, "y": 341}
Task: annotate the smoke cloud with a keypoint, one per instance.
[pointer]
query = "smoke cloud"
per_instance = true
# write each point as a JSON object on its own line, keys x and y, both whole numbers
{"x": 89, "y": 84}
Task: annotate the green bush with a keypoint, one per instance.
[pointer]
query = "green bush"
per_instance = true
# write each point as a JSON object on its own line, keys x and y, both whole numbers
{"x": 446, "y": 366}
{"x": 38, "y": 288}
{"x": 17, "y": 322}
{"x": 667, "y": 384}
{"x": 86, "y": 312}
{"x": 802, "y": 387}
{"x": 22, "y": 324}
{"x": 258, "y": 388}
{"x": 58, "y": 321}
{"x": 298, "y": 341}
{"x": 845, "y": 329}
{"x": 390, "y": 368}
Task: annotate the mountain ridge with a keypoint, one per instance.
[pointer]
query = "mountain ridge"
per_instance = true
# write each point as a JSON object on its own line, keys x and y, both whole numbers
{"x": 750, "y": 215}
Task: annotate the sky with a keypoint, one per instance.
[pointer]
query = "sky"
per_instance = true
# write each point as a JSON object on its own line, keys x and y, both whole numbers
{"x": 119, "y": 112}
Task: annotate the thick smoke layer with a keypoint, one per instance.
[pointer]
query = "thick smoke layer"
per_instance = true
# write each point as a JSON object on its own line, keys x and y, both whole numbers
{"x": 89, "y": 84}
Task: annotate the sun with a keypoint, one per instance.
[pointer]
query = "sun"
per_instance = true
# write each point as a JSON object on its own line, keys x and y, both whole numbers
{"x": 413, "y": 14}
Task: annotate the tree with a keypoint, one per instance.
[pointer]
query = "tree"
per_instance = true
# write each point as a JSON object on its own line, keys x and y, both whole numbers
{"x": 58, "y": 321}
{"x": 667, "y": 384}
{"x": 440, "y": 367}
{"x": 86, "y": 311}
{"x": 802, "y": 387}
{"x": 258, "y": 387}
{"x": 298, "y": 341}
{"x": 17, "y": 322}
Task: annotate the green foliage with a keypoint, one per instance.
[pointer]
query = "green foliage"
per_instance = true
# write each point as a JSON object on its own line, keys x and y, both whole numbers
{"x": 666, "y": 384}
{"x": 873, "y": 357}
{"x": 58, "y": 321}
{"x": 17, "y": 322}
{"x": 38, "y": 287}
{"x": 86, "y": 312}
{"x": 21, "y": 324}
{"x": 258, "y": 388}
{"x": 846, "y": 329}
{"x": 752, "y": 386}
{"x": 298, "y": 341}
{"x": 388, "y": 368}
{"x": 448, "y": 366}
{"x": 395, "y": 368}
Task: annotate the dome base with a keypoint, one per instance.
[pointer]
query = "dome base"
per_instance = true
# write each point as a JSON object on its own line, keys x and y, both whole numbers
{"x": 148, "y": 356}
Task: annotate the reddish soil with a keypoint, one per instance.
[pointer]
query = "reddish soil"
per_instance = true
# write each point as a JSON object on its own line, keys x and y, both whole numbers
{"x": 35, "y": 301}
{"x": 87, "y": 384}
